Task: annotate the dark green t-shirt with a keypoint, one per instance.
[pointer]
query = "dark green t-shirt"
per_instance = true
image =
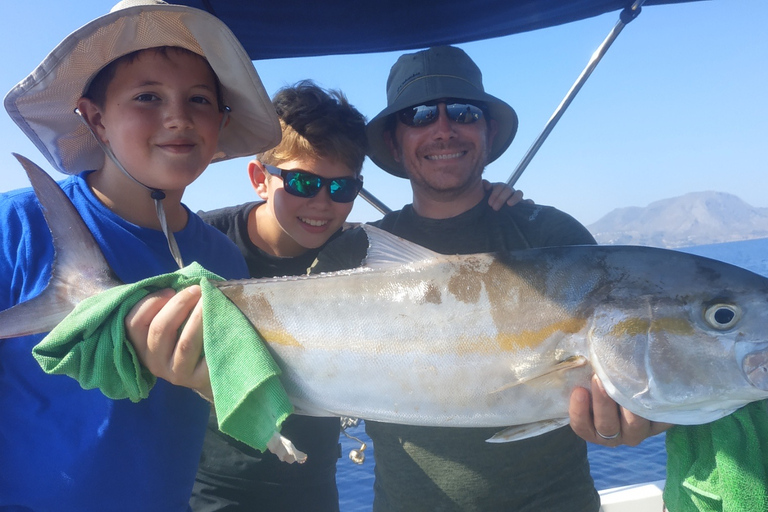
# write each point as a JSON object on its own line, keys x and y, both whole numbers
{"x": 233, "y": 476}
{"x": 455, "y": 469}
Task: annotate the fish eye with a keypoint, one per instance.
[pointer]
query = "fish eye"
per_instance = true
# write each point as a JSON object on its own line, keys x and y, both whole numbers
{"x": 722, "y": 316}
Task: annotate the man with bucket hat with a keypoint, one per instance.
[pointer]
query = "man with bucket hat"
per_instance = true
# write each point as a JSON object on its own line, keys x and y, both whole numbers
{"x": 425, "y": 77}
{"x": 133, "y": 106}
{"x": 439, "y": 130}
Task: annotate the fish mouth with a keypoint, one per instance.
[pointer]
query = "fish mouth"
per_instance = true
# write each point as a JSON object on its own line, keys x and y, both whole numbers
{"x": 755, "y": 365}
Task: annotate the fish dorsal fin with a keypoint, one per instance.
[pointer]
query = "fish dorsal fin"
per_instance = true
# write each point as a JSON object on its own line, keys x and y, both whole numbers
{"x": 387, "y": 250}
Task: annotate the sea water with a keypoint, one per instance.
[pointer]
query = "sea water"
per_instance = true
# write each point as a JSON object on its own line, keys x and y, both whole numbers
{"x": 611, "y": 467}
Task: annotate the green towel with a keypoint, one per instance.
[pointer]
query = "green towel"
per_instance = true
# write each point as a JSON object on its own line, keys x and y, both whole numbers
{"x": 90, "y": 346}
{"x": 721, "y": 466}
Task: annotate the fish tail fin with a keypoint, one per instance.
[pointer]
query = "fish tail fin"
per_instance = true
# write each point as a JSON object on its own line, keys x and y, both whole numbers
{"x": 37, "y": 315}
{"x": 79, "y": 269}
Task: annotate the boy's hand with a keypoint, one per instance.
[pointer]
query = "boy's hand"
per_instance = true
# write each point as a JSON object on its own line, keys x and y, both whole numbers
{"x": 599, "y": 413}
{"x": 502, "y": 193}
{"x": 166, "y": 330}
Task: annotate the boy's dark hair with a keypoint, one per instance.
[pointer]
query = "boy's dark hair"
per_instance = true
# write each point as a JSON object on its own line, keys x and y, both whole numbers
{"x": 96, "y": 90}
{"x": 317, "y": 123}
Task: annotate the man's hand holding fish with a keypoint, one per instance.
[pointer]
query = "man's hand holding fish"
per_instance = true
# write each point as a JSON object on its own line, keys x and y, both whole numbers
{"x": 596, "y": 418}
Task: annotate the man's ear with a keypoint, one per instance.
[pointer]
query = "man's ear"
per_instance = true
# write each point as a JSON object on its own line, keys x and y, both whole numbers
{"x": 93, "y": 115}
{"x": 493, "y": 130}
{"x": 389, "y": 140}
{"x": 258, "y": 176}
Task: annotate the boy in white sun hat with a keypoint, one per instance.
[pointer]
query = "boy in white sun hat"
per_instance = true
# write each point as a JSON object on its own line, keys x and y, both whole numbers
{"x": 133, "y": 106}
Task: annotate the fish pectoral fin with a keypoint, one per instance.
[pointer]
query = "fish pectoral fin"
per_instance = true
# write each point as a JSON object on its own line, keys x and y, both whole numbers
{"x": 566, "y": 364}
{"x": 304, "y": 408}
{"x": 520, "y": 432}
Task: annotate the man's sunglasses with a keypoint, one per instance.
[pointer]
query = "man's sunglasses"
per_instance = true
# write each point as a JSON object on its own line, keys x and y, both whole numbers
{"x": 305, "y": 184}
{"x": 461, "y": 112}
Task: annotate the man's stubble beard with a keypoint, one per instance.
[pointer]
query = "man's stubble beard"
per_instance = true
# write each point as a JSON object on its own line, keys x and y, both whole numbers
{"x": 434, "y": 184}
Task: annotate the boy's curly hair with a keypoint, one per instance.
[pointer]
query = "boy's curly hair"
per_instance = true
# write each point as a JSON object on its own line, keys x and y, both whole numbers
{"x": 317, "y": 123}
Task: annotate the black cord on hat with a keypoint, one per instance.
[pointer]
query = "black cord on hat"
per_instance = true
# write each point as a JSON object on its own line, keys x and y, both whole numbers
{"x": 157, "y": 195}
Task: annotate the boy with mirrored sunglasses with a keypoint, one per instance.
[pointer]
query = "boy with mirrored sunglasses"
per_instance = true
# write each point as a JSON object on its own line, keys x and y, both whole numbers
{"x": 307, "y": 184}
{"x": 323, "y": 143}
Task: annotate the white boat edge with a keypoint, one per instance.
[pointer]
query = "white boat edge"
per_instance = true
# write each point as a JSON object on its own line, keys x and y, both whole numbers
{"x": 645, "y": 497}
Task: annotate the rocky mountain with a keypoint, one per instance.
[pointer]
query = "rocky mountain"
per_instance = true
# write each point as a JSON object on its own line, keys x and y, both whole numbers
{"x": 697, "y": 218}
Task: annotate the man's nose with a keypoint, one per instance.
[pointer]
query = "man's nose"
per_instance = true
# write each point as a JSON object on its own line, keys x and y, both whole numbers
{"x": 444, "y": 126}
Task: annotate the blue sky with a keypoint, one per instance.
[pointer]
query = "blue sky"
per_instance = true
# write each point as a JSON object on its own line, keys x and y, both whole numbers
{"x": 677, "y": 105}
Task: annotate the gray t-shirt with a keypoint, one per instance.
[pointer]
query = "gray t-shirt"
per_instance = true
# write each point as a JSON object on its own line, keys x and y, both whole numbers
{"x": 233, "y": 476}
{"x": 455, "y": 469}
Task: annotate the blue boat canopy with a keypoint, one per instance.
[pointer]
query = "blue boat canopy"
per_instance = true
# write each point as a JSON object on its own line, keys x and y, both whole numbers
{"x": 301, "y": 28}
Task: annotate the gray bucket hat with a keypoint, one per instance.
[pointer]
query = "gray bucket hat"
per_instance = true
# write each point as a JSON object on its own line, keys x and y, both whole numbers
{"x": 43, "y": 103}
{"x": 428, "y": 75}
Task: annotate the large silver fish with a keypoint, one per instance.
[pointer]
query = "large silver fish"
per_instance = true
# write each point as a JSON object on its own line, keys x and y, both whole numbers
{"x": 479, "y": 340}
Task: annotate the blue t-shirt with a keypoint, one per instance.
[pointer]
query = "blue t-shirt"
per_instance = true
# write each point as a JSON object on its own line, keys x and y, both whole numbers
{"x": 63, "y": 448}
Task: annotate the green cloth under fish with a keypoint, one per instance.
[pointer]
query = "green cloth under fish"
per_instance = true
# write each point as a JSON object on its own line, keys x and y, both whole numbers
{"x": 90, "y": 345}
{"x": 721, "y": 466}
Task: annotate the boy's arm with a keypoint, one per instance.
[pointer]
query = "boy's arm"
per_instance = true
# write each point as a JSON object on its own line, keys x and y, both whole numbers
{"x": 9, "y": 246}
{"x": 502, "y": 194}
{"x": 166, "y": 330}
{"x": 25, "y": 252}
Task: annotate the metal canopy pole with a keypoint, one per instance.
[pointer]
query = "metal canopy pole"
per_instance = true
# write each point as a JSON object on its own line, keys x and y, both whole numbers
{"x": 627, "y": 15}
{"x": 374, "y": 202}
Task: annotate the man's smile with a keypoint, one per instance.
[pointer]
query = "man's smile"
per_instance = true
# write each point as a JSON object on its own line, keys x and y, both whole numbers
{"x": 446, "y": 156}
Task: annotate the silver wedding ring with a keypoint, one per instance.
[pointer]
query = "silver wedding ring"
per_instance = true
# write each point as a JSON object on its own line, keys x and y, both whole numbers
{"x": 608, "y": 438}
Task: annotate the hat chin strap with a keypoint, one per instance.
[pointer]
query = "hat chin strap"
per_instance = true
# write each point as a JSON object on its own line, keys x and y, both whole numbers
{"x": 156, "y": 194}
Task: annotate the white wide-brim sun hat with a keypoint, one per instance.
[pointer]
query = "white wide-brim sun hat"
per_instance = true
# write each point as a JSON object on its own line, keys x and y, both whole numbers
{"x": 43, "y": 103}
